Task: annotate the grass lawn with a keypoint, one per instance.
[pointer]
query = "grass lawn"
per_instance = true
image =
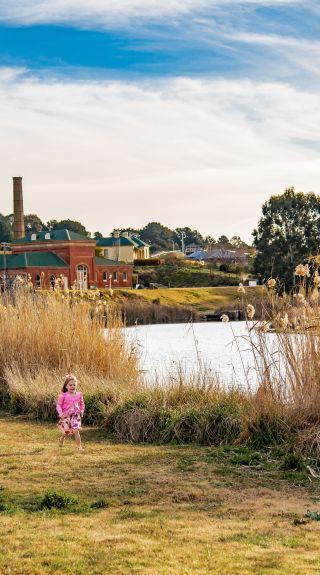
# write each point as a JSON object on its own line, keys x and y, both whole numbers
{"x": 156, "y": 509}
{"x": 200, "y": 298}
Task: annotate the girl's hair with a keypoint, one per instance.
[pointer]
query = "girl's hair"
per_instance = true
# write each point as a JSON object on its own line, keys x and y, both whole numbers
{"x": 68, "y": 378}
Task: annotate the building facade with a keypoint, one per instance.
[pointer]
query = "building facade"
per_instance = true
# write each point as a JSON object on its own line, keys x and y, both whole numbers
{"x": 122, "y": 247}
{"x": 47, "y": 256}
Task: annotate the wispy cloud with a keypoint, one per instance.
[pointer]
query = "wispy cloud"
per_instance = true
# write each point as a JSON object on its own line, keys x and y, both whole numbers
{"x": 203, "y": 153}
{"x": 109, "y": 12}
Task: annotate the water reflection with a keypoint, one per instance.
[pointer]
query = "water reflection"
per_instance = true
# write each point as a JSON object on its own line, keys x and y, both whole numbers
{"x": 219, "y": 348}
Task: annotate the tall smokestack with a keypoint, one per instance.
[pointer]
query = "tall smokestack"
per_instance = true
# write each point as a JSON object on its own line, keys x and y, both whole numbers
{"x": 18, "y": 217}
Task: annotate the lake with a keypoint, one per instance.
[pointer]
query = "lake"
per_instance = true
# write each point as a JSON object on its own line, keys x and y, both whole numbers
{"x": 215, "y": 347}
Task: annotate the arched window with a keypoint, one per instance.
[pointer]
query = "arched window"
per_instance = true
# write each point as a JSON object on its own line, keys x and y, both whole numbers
{"x": 38, "y": 281}
{"x": 82, "y": 277}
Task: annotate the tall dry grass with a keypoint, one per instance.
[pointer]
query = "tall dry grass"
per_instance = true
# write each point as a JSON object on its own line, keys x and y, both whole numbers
{"x": 286, "y": 348}
{"x": 44, "y": 336}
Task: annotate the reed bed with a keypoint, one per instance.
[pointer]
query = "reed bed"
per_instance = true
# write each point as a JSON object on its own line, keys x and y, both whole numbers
{"x": 42, "y": 334}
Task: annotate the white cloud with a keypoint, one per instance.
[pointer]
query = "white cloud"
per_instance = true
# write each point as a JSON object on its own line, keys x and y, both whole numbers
{"x": 184, "y": 152}
{"x": 108, "y": 12}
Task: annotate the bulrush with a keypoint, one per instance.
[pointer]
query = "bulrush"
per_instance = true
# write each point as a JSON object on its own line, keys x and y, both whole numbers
{"x": 224, "y": 318}
{"x": 241, "y": 289}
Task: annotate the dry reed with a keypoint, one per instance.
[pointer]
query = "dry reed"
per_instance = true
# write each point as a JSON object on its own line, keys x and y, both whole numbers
{"x": 55, "y": 334}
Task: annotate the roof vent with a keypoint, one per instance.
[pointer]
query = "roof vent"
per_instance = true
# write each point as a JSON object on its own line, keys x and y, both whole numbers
{"x": 47, "y": 236}
{"x": 33, "y": 237}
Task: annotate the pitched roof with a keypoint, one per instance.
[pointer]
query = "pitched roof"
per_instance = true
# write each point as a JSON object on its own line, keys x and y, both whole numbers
{"x": 53, "y": 236}
{"x": 139, "y": 241}
{"x": 112, "y": 241}
{"x": 106, "y": 262}
{"x": 32, "y": 260}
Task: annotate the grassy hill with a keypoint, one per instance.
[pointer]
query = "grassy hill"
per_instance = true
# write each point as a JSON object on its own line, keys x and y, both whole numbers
{"x": 201, "y": 299}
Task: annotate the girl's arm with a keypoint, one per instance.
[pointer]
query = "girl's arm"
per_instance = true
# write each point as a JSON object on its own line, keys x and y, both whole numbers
{"x": 59, "y": 405}
{"x": 81, "y": 404}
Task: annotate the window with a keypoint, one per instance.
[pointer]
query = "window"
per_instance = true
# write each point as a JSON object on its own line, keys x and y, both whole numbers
{"x": 53, "y": 281}
{"x": 125, "y": 276}
{"x": 105, "y": 276}
{"x": 82, "y": 277}
{"x": 38, "y": 281}
{"x": 115, "y": 276}
{"x": 106, "y": 253}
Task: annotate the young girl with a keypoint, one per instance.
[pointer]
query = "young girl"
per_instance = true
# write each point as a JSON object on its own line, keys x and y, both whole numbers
{"x": 70, "y": 407}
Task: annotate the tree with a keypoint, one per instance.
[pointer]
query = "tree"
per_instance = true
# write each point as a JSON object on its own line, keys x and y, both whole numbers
{"x": 288, "y": 233}
{"x": 97, "y": 235}
{"x": 71, "y": 225}
{"x": 33, "y": 224}
{"x": 209, "y": 241}
{"x": 159, "y": 237}
{"x": 190, "y": 236}
{"x": 237, "y": 243}
{"x": 5, "y": 229}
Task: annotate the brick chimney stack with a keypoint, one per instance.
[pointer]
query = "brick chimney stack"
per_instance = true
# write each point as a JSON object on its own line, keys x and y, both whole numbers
{"x": 18, "y": 216}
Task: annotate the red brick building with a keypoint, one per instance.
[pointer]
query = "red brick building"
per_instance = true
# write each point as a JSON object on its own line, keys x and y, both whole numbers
{"x": 47, "y": 256}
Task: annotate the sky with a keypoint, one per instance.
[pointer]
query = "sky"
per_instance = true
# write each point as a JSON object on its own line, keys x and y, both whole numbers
{"x": 187, "y": 112}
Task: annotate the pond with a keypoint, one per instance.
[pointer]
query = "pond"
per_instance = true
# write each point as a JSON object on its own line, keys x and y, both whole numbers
{"x": 216, "y": 348}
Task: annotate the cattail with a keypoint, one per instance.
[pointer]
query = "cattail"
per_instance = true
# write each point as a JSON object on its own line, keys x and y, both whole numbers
{"x": 224, "y": 318}
{"x": 250, "y": 311}
{"x": 241, "y": 289}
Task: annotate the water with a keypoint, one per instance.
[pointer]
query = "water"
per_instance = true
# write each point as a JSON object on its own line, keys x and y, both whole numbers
{"x": 219, "y": 348}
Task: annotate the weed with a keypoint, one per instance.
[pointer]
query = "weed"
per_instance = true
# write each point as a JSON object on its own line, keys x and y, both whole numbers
{"x": 100, "y": 504}
{"x": 55, "y": 500}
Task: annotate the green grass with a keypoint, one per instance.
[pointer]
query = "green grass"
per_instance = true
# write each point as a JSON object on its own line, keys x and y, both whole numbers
{"x": 126, "y": 509}
{"x": 201, "y": 299}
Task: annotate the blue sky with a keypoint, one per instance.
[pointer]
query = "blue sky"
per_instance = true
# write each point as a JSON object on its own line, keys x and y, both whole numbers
{"x": 197, "y": 102}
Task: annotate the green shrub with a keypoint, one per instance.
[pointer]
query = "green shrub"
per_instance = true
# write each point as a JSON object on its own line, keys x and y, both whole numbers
{"x": 267, "y": 430}
{"x": 99, "y": 504}
{"x": 96, "y": 407}
{"x": 55, "y": 500}
{"x": 293, "y": 461}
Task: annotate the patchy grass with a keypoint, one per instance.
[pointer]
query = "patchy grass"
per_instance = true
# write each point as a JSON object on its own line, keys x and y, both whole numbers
{"x": 149, "y": 509}
{"x": 201, "y": 299}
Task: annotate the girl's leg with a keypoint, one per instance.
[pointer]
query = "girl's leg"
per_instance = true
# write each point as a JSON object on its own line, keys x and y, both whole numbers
{"x": 61, "y": 440}
{"x": 78, "y": 440}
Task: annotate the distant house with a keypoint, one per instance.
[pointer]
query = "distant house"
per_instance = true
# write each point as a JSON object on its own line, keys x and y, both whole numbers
{"x": 47, "y": 256}
{"x": 220, "y": 255}
{"x": 191, "y": 249}
{"x": 123, "y": 247}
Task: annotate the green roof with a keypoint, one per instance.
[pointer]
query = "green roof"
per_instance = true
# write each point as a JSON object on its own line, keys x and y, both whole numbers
{"x": 106, "y": 262}
{"x": 53, "y": 236}
{"x": 112, "y": 241}
{"x": 32, "y": 260}
{"x": 139, "y": 242}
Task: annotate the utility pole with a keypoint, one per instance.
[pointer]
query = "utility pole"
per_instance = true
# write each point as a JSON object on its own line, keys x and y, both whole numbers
{"x": 182, "y": 236}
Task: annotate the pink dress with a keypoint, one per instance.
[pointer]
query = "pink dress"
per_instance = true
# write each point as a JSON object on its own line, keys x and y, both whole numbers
{"x": 70, "y": 407}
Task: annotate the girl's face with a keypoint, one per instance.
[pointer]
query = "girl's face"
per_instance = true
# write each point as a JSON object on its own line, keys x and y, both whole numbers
{"x": 71, "y": 386}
